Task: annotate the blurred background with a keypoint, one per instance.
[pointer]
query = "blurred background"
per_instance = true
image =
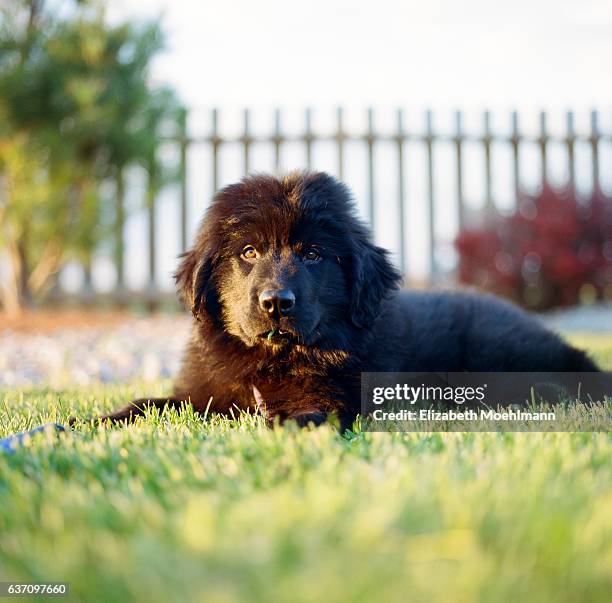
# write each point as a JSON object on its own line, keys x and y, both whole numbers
{"x": 477, "y": 139}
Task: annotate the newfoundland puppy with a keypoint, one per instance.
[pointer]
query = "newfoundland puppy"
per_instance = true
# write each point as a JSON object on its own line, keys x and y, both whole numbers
{"x": 292, "y": 301}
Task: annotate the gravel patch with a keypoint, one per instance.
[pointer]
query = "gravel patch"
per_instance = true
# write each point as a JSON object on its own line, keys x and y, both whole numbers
{"x": 139, "y": 349}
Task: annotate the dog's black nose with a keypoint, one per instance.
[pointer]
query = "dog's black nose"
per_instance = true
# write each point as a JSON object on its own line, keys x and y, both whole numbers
{"x": 277, "y": 300}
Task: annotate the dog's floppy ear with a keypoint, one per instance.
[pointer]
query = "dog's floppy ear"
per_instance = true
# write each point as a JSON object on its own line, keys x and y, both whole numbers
{"x": 373, "y": 277}
{"x": 193, "y": 280}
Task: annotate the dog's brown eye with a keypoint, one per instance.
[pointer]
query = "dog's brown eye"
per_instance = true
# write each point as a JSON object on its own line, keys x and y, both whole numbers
{"x": 312, "y": 255}
{"x": 249, "y": 252}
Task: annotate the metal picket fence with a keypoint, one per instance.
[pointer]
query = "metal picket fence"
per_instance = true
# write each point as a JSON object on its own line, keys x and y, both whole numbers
{"x": 429, "y": 138}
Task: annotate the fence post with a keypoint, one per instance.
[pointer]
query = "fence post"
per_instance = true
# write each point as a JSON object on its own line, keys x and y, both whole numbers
{"x": 570, "y": 140}
{"x": 400, "y": 137}
{"x": 308, "y": 136}
{"x": 459, "y": 165}
{"x": 515, "y": 141}
{"x": 151, "y": 216}
{"x": 340, "y": 143}
{"x": 371, "y": 184}
{"x": 594, "y": 139}
{"x": 277, "y": 140}
{"x": 215, "y": 141}
{"x": 78, "y": 192}
{"x": 431, "y": 196}
{"x": 246, "y": 141}
{"x": 184, "y": 141}
{"x": 87, "y": 294}
{"x": 487, "y": 149}
{"x": 119, "y": 239}
{"x": 543, "y": 140}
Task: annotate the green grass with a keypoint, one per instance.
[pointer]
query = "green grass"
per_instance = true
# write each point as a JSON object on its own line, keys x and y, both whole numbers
{"x": 174, "y": 509}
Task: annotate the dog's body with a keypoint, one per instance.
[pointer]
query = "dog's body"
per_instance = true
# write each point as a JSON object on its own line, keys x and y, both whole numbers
{"x": 292, "y": 302}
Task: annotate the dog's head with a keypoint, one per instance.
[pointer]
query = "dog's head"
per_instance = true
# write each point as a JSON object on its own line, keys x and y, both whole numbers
{"x": 280, "y": 262}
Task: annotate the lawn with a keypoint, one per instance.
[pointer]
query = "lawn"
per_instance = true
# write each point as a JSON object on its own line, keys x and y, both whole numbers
{"x": 176, "y": 509}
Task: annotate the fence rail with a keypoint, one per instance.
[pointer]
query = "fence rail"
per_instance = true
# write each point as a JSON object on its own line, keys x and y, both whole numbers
{"x": 399, "y": 139}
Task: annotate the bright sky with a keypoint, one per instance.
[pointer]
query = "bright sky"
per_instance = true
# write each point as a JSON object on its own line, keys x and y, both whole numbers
{"x": 526, "y": 54}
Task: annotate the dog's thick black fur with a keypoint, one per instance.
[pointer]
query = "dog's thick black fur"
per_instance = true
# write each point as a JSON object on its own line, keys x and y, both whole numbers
{"x": 292, "y": 301}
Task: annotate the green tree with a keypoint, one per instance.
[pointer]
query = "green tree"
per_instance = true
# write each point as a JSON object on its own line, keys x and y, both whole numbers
{"x": 76, "y": 108}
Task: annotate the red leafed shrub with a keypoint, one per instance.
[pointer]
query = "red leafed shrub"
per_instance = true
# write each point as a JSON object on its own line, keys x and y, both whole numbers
{"x": 556, "y": 250}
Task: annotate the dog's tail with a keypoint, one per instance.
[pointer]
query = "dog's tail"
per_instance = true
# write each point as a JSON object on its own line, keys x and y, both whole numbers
{"x": 578, "y": 361}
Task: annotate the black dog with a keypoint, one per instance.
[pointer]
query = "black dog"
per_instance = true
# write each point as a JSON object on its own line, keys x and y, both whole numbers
{"x": 292, "y": 301}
